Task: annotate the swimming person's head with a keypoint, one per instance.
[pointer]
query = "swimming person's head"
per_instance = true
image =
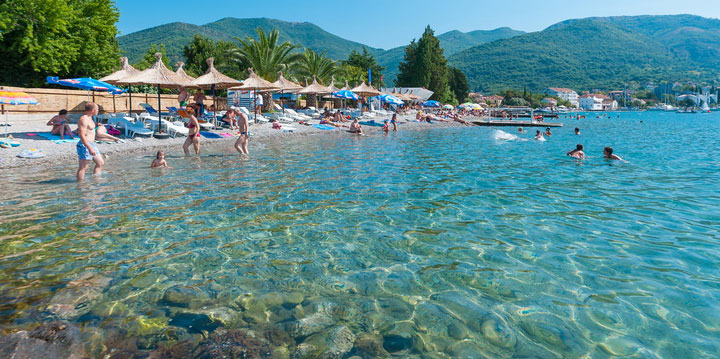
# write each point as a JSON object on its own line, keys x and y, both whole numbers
{"x": 577, "y": 130}
{"x": 579, "y": 147}
{"x": 538, "y": 132}
{"x": 608, "y": 151}
{"x": 160, "y": 155}
{"x": 62, "y": 112}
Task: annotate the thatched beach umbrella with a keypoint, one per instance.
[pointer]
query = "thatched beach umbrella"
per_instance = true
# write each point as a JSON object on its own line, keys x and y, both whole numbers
{"x": 334, "y": 89}
{"x": 255, "y": 83}
{"x": 125, "y": 71}
{"x": 157, "y": 75}
{"x": 315, "y": 89}
{"x": 183, "y": 75}
{"x": 365, "y": 91}
{"x": 285, "y": 85}
{"x": 214, "y": 79}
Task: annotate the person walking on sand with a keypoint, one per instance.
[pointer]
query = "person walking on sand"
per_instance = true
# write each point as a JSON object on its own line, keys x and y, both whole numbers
{"x": 193, "y": 134}
{"x": 60, "y": 125}
{"x": 244, "y": 127}
{"x": 86, "y": 149}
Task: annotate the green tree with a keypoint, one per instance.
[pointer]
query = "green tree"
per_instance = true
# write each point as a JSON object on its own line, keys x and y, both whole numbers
{"x": 458, "y": 83}
{"x": 266, "y": 55}
{"x": 149, "y": 57}
{"x": 425, "y": 65}
{"x": 316, "y": 64}
{"x": 352, "y": 74}
{"x": 365, "y": 61}
{"x": 201, "y": 48}
{"x": 67, "y": 38}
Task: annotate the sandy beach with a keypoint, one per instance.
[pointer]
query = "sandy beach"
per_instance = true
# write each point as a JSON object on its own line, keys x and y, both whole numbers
{"x": 57, "y": 153}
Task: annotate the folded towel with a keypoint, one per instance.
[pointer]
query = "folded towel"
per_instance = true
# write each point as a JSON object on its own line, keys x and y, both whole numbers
{"x": 210, "y": 134}
{"x": 56, "y": 138}
{"x": 225, "y": 134}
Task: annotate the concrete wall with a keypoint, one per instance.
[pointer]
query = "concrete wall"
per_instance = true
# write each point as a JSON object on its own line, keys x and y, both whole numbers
{"x": 54, "y": 100}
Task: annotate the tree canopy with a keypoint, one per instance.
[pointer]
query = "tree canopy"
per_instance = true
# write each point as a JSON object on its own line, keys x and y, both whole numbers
{"x": 66, "y": 38}
{"x": 425, "y": 65}
{"x": 365, "y": 61}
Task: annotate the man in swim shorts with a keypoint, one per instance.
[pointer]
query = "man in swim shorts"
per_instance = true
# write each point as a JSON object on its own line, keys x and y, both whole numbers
{"x": 86, "y": 149}
{"x": 244, "y": 128}
{"x": 577, "y": 152}
{"x": 608, "y": 154}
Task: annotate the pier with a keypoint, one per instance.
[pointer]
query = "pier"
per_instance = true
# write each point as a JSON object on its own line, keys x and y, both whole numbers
{"x": 515, "y": 123}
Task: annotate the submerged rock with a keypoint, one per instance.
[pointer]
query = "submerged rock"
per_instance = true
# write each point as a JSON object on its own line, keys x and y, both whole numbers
{"x": 194, "y": 322}
{"x": 340, "y": 342}
{"x": 398, "y": 337}
{"x": 370, "y": 346}
{"x": 498, "y": 334}
{"x": 77, "y": 297}
{"x": 231, "y": 344}
{"x": 55, "y": 340}
{"x": 185, "y": 297}
{"x": 309, "y": 325}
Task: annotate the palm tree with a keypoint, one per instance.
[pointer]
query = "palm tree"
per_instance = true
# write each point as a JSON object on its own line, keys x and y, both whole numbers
{"x": 316, "y": 64}
{"x": 266, "y": 55}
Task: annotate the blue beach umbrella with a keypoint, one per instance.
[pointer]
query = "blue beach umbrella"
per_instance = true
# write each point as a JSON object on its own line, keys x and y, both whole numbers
{"x": 86, "y": 83}
{"x": 390, "y": 99}
{"x": 345, "y": 95}
{"x": 431, "y": 103}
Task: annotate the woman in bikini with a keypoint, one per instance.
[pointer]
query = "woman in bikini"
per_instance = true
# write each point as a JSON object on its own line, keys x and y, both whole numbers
{"x": 194, "y": 126}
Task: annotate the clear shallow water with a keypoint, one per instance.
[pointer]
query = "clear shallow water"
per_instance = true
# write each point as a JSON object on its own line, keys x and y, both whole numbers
{"x": 430, "y": 244}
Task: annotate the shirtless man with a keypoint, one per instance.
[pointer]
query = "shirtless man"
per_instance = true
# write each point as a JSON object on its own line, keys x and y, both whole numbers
{"x": 60, "y": 125}
{"x": 86, "y": 149}
{"x": 183, "y": 96}
{"x": 577, "y": 152}
{"x": 199, "y": 99}
{"x": 355, "y": 127}
{"x": 244, "y": 128}
{"x": 608, "y": 154}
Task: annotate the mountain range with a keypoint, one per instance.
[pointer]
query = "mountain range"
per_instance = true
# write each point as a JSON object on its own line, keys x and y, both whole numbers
{"x": 603, "y": 52}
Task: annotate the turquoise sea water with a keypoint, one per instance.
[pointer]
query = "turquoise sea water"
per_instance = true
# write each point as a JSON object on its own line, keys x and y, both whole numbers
{"x": 423, "y": 244}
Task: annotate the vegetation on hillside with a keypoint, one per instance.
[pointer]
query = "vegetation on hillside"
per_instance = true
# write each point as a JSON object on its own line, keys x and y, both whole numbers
{"x": 69, "y": 38}
{"x": 581, "y": 54}
{"x": 425, "y": 65}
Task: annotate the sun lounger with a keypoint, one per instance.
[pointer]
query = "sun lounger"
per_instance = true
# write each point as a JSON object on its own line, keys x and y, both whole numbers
{"x": 173, "y": 129}
{"x": 277, "y": 116}
{"x": 185, "y": 118}
{"x": 131, "y": 128}
{"x": 298, "y": 116}
{"x": 251, "y": 116}
{"x": 153, "y": 111}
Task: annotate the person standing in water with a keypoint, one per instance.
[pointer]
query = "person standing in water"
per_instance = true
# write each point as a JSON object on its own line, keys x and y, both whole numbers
{"x": 577, "y": 152}
{"x": 244, "y": 128}
{"x": 393, "y": 121}
{"x": 194, "y": 132}
{"x": 577, "y": 130}
{"x": 539, "y": 136}
{"x": 608, "y": 154}
{"x": 86, "y": 149}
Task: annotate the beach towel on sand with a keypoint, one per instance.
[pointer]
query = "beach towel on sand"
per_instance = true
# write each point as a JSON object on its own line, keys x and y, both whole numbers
{"x": 210, "y": 134}
{"x": 56, "y": 138}
{"x": 324, "y": 127}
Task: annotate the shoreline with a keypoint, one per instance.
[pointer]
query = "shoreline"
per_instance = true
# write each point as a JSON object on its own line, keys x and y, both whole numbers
{"x": 64, "y": 153}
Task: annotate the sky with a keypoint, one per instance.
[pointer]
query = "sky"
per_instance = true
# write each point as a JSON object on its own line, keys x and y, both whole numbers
{"x": 388, "y": 24}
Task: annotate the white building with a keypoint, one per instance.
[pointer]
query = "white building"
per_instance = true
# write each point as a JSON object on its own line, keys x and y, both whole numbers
{"x": 591, "y": 102}
{"x": 565, "y": 94}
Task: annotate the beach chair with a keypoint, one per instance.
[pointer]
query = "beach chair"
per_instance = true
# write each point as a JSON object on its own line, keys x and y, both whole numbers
{"x": 310, "y": 111}
{"x": 173, "y": 129}
{"x": 278, "y": 116}
{"x": 130, "y": 128}
{"x": 298, "y": 116}
{"x": 251, "y": 116}
{"x": 153, "y": 112}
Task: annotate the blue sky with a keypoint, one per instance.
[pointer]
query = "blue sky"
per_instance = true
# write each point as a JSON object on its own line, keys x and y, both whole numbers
{"x": 387, "y": 24}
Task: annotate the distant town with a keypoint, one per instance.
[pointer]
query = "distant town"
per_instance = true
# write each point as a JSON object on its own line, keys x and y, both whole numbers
{"x": 650, "y": 97}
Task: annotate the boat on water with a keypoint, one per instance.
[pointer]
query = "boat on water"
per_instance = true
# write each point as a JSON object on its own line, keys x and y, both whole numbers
{"x": 687, "y": 110}
{"x": 663, "y": 107}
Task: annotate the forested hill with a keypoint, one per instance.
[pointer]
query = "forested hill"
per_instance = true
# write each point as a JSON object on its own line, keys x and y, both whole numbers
{"x": 176, "y": 35}
{"x": 602, "y": 53}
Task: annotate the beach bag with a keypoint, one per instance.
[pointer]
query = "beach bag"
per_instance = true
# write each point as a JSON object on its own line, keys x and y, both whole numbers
{"x": 113, "y": 131}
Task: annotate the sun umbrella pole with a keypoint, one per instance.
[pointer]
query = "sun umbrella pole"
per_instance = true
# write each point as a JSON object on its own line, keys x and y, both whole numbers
{"x": 159, "y": 111}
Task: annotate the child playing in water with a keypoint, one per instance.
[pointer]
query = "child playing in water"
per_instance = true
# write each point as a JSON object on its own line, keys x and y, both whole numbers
{"x": 159, "y": 160}
{"x": 386, "y": 128}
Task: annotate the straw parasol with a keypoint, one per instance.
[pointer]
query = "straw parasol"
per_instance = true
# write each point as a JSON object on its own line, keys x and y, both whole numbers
{"x": 315, "y": 89}
{"x": 285, "y": 85}
{"x": 365, "y": 91}
{"x": 157, "y": 75}
{"x": 333, "y": 89}
{"x": 126, "y": 70}
{"x": 255, "y": 83}
{"x": 181, "y": 72}
{"x": 214, "y": 79}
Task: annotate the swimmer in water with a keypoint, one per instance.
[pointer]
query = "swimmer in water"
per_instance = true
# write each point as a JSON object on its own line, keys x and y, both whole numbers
{"x": 539, "y": 135}
{"x": 608, "y": 154}
{"x": 159, "y": 160}
{"x": 577, "y": 152}
{"x": 520, "y": 129}
{"x": 547, "y": 132}
{"x": 577, "y": 131}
